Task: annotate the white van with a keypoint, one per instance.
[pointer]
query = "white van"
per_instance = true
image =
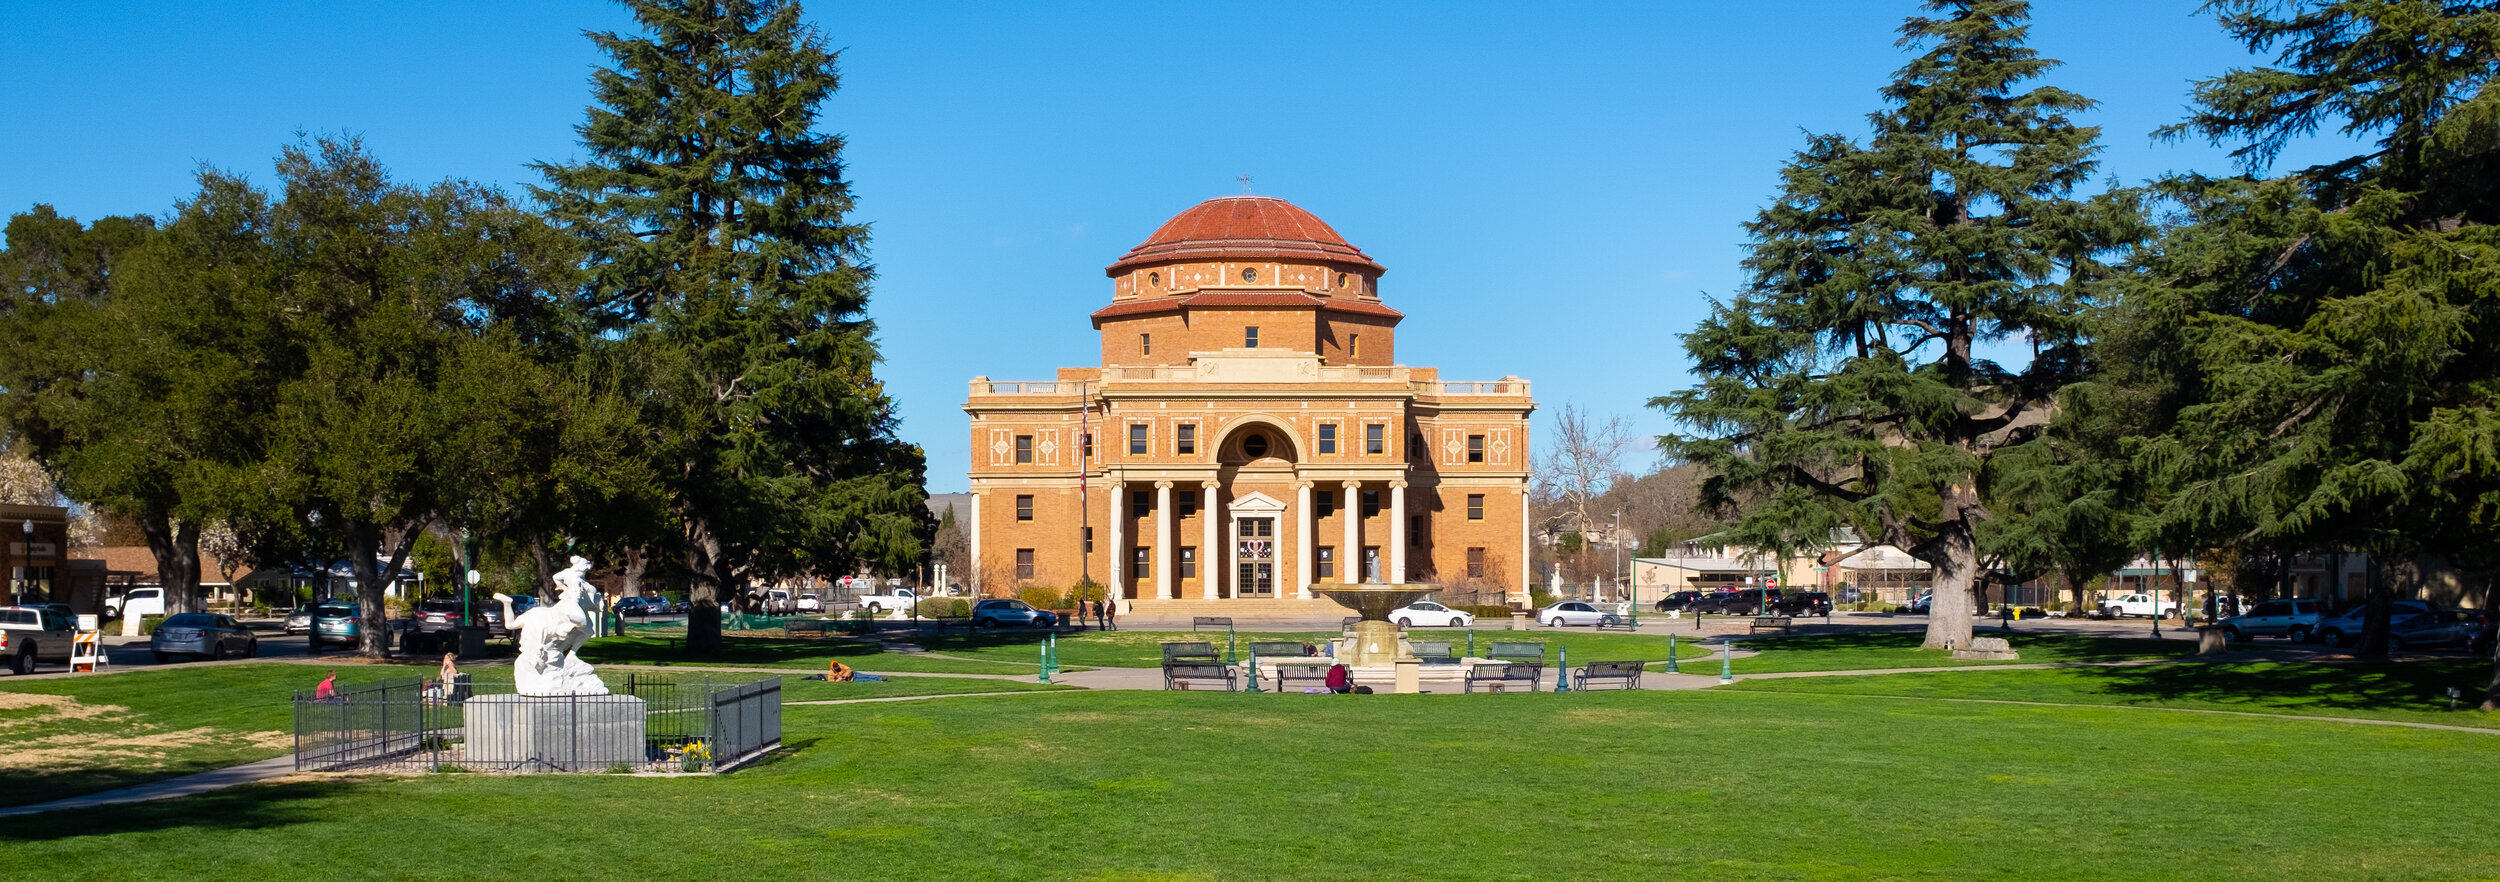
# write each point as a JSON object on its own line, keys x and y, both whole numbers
{"x": 139, "y": 602}
{"x": 777, "y": 602}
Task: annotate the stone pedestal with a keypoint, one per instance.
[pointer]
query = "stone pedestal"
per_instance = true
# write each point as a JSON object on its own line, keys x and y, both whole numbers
{"x": 1374, "y": 643}
{"x": 2212, "y": 641}
{"x": 1518, "y": 621}
{"x": 1987, "y": 649}
{"x": 575, "y": 733}
{"x": 1410, "y": 676}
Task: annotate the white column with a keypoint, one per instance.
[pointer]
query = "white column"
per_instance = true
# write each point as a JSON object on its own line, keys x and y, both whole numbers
{"x": 1523, "y": 595}
{"x": 1163, "y": 540}
{"x": 1210, "y": 511}
{"x": 1350, "y": 555}
{"x": 1118, "y": 555}
{"x": 1306, "y": 540}
{"x": 1397, "y": 532}
{"x": 1232, "y": 548}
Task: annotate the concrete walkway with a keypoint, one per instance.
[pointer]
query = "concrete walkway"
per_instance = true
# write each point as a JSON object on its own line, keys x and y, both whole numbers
{"x": 169, "y": 788}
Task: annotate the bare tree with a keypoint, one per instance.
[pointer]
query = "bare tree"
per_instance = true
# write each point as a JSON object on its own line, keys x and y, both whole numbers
{"x": 1584, "y": 463}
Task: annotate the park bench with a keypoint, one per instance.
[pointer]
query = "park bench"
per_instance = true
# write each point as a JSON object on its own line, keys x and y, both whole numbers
{"x": 1760, "y": 623}
{"x": 1435, "y": 652}
{"x": 1226, "y": 622}
{"x": 1312, "y": 673}
{"x": 1277, "y": 649}
{"x": 1190, "y": 651}
{"x": 1179, "y": 674}
{"x": 1502, "y": 676}
{"x": 1526, "y": 650}
{"x": 1627, "y": 673}
{"x": 804, "y": 627}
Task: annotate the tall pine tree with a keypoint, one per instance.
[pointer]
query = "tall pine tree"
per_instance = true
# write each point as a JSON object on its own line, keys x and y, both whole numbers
{"x": 716, "y": 218}
{"x": 1847, "y": 385}
{"x": 2338, "y": 327}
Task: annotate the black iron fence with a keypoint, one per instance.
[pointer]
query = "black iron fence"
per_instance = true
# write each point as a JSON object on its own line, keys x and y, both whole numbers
{"x": 655, "y": 722}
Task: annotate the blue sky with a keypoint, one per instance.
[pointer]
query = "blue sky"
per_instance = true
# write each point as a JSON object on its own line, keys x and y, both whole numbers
{"x": 1554, "y": 187}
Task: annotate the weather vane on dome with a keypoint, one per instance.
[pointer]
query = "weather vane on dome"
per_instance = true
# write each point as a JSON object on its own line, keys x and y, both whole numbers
{"x": 1245, "y": 183}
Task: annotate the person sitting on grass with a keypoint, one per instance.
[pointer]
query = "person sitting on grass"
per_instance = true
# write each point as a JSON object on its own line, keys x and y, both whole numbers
{"x": 1340, "y": 679}
{"x": 329, "y": 688}
{"x": 837, "y": 672}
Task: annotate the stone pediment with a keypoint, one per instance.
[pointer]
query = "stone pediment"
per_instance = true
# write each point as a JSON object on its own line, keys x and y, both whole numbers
{"x": 1255, "y": 501}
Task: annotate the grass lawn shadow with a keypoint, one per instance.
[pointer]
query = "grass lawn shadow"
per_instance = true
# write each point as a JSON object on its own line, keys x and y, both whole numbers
{"x": 1875, "y": 650}
{"x": 253, "y": 807}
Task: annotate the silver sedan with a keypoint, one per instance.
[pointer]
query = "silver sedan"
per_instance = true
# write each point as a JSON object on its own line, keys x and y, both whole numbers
{"x": 201, "y": 635}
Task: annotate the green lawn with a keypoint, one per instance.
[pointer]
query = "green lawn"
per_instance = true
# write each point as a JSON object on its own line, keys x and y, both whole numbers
{"x": 1144, "y": 649}
{"x": 108, "y": 731}
{"x": 1879, "y": 650}
{"x": 2411, "y": 691}
{"x": 1715, "y": 785}
{"x": 122, "y": 729}
{"x": 795, "y": 654}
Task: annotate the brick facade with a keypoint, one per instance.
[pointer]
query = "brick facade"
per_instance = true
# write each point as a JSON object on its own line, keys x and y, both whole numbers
{"x": 1248, "y": 413}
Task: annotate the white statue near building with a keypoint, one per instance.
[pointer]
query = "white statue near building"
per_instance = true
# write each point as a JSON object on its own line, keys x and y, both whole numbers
{"x": 550, "y": 634}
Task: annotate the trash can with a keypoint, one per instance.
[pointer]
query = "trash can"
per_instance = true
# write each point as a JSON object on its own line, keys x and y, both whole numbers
{"x": 472, "y": 642}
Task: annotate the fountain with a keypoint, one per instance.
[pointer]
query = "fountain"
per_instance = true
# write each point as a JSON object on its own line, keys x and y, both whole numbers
{"x": 1375, "y": 640}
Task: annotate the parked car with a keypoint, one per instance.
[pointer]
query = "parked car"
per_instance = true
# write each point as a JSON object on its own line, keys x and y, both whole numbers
{"x": 1804, "y": 603}
{"x": 1749, "y": 601}
{"x": 1679, "y": 600}
{"x": 2139, "y": 604}
{"x": 2294, "y": 619}
{"x": 336, "y": 623}
{"x": 138, "y": 602}
{"x": 1925, "y": 601}
{"x": 201, "y": 635}
{"x": 1573, "y": 612}
{"x": 2344, "y": 628}
{"x": 491, "y": 613}
{"x": 300, "y": 620}
{"x": 808, "y": 603}
{"x": 1000, "y": 612}
{"x": 1427, "y": 614}
{"x": 29, "y": 635}
{"x": 641, "y": 606}
{"x": 1711, "y": 601}
{"x": 438, "y": 624}
{"x": 2439, "y": 627}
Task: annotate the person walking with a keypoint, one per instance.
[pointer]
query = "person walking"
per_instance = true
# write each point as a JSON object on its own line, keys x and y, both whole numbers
{"x": 1103, "y": 612}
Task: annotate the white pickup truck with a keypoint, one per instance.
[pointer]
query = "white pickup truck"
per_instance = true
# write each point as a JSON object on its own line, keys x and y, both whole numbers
{"x": 902, "y": 600}
{"x": 2139, "y": 604}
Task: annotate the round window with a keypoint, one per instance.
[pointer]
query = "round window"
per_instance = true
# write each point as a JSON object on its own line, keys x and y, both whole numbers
{"x": 1249, "y": 274}
{"x": 1340, "y": 279}
{"x": 1255, "y": 445}
{"x": 1155, "y": 279}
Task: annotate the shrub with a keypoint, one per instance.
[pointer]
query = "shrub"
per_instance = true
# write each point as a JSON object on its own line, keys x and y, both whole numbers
{"x": 1040, "y": 596}
{"x": 1087, "y": 591}
{"x": 931, "y": 608}
{"x": 1489, "y": 612}
{"x": 1540, "y": 598}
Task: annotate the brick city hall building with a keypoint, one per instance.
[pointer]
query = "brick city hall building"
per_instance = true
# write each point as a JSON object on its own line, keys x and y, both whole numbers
{"x": 1249, "y": 433}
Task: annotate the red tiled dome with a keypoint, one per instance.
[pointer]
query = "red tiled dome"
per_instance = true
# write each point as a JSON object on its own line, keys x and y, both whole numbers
{"x": 1251, "y": 227}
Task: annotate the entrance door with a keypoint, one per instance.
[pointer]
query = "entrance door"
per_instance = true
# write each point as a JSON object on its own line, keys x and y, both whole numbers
{"x": 1258, "y": 558}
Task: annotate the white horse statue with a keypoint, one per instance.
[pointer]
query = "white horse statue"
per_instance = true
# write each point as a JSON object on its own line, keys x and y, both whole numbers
{"x": 549, "y": 636}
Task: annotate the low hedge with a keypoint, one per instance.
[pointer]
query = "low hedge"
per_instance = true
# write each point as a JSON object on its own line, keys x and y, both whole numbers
{"x": 1486, "y": 611}
{"x": 944, "y": 607}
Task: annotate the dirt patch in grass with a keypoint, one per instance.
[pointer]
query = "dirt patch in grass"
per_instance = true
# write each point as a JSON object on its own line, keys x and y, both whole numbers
{"x": 51, "y": 709}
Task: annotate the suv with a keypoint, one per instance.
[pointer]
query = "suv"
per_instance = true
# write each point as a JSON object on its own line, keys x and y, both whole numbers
{"x": 2344, "y": 629}
{"x": 1804, "y": 603}
{"x": 1678, "y": 600}
{"x": 438, "y": 624}
{"x": 2293, "y": 619}
{"x": 29, "y": 635}
{"x": 1749, "y": 601}
{"x": 336, "y": 622}
{"x": 999, "y": 611}
{"x": 1710, "y": 601}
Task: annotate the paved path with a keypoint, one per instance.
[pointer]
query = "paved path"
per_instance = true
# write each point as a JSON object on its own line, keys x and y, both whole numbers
{"x": 169, "y": 788}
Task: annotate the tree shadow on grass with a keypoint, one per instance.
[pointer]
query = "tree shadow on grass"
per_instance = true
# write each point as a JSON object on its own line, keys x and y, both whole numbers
{"x": 734, "y": 651}
{"x": 252, "y": 807}
{"x": 2380, "y": 686}
{"x": 2049, "y": 647}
